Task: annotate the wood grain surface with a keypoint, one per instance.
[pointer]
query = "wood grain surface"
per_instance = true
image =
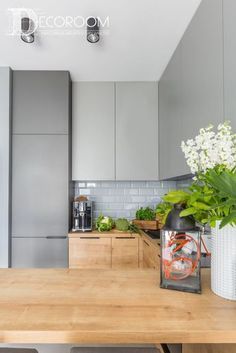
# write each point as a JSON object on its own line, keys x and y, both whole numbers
{"x": 108, "y": 306}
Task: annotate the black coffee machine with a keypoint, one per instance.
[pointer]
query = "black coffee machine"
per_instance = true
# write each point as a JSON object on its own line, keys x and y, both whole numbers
{"x": 82, "y": 216}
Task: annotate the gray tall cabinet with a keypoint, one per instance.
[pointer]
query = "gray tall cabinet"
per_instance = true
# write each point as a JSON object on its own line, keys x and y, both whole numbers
{"x": 40, "y": 168}
{"x": 5, "y": 168}
{"x": 191, "y": 88}
{"x": 229, "y": 34}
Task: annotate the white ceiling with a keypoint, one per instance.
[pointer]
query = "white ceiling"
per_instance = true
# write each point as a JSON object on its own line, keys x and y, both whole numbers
{"x": 137, "y": 46}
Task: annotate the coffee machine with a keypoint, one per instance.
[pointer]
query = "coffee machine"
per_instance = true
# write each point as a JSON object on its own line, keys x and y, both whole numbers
{"x": 82, "y": 216}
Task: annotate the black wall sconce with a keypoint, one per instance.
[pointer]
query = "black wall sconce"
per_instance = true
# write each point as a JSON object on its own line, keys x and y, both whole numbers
{"x": 27, "y": 30}
{"x": 92, "y": 30}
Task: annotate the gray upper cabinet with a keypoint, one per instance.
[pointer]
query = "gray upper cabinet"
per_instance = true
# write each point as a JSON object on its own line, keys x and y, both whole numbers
{"x": 136, "y": 131}
{"x": 40, "y": 185}
{"x": 171, "y": 161}
{"x": 40, "y": 102}
{"x": 93, "y": 136}
{"x": 202, "y": 62}
{"x": 191, "y": 88}
{"x": 229, "y": 12}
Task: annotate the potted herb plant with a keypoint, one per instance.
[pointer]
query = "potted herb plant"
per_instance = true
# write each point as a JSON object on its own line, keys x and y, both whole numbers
{"x": 211, "y": 199}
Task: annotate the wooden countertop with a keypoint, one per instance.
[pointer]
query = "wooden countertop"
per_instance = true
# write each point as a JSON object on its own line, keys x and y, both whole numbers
{"x": 108, "y": 306}
{"x": 111, "y": 234}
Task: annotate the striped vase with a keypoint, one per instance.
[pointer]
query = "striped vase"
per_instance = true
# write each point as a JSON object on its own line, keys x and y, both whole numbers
{"x": 223, "y": 261}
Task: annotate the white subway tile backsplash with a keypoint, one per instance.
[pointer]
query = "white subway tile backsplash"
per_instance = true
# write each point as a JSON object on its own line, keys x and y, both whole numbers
{"x": 92, "y": 185}
{"x": 85, "y": 192}
{"x": 146, "y": 191}
{"x": 123, "y": 184}
{"x": 131, "y": 191}
{"x": 122, "y": 198}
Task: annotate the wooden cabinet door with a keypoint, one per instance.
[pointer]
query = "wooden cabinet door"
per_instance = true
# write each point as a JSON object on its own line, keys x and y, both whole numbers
{"x": 136, "y": 131}
{"x": 125, "y": 252}
{"x": 151, "y": 255}
{"x": 94, "y": 253}
{"x": 93, "y": 131}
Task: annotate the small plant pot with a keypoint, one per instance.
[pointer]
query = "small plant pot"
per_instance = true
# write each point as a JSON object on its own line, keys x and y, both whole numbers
{"x": 148, "y": 225}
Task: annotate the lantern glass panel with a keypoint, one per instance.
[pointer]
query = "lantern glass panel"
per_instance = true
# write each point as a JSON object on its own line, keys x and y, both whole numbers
{"x": 180, "y": 260}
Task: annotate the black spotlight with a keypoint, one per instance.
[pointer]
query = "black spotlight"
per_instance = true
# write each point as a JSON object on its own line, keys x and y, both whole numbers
{"x": 92, "y": 30}
{"x": 27, "y": 30}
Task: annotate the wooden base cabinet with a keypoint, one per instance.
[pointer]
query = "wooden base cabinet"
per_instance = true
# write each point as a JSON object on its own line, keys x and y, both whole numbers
{"x": 151, "y": 255}
{"x": 125, "y": 252}
{"x": 209, "y": 348}
{"x": 104, "y": 251}
{"x": 94, "y": 253}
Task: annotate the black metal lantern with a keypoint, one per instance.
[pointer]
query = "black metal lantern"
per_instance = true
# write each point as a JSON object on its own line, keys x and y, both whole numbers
{"x": 180, "y": 253}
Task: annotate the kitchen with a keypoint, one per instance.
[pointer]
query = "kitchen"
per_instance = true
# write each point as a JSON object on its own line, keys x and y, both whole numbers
{"x": 87, "y": 148}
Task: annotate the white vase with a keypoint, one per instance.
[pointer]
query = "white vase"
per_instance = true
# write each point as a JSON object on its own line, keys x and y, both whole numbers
{"x": 223, "y": 261}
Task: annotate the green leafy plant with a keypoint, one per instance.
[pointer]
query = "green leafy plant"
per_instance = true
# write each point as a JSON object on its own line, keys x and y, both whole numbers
{"x": 145, "y": 214}
{"x": 211, "y": 198}
{"x": 123, "y": 225}
{"x": 162, "y": 211}
{"x": 104, "y": 224}
{"x": 211, "y": 156}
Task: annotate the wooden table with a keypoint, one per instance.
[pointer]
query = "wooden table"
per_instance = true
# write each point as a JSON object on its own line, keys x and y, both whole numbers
{"x": 108, "y": 306}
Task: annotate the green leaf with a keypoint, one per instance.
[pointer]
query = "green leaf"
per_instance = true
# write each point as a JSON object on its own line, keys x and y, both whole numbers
{"x": 224, "y": 183}
{"x": 176, "y": 196}
{"x": 231, "y": 218}
{"x": 188, "y": 212}
{"x": 201, "y": 206}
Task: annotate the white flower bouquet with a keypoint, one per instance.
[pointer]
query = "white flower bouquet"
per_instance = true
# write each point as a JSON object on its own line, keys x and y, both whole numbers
{"x": 210, "y": 149}
{"x": 211, "y": 157}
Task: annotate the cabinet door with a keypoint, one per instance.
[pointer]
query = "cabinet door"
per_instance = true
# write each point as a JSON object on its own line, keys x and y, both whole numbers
{"x": 191, "y": 88}
{"x": 136, "y": 131}
{"x": 40, "y": 252}
{"x": 40, "y": 185}
{"x": 93, "y": 131}
{"x": 151, "y": 255}
{"x": 125, "y": 252}
{"x": 40, "y": 102}
{"x": 229, "y": 12}
{"x": 202, "y": 62}
{"x": 94, "y": 253}
{"x": 171, "y": 158}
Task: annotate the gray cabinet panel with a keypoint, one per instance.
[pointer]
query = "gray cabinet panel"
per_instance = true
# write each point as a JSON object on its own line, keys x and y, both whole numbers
{"x": 191, "y": 88}
{"x": 93, "y": 131}
{"x": 136, "y": 131}
{"x": 40, "y": 185}
{"x": 171, "y": 161}
{"x": 39, "y": 252}
{"x": 229, "y": 61}
{"x": 202, "y": 62}
{"x": 5, "y": 163}
{"x": 40, "y": 102}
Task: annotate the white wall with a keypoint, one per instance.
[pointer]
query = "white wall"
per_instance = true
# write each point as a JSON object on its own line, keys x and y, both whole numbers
{"x": 5, "y": 121}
